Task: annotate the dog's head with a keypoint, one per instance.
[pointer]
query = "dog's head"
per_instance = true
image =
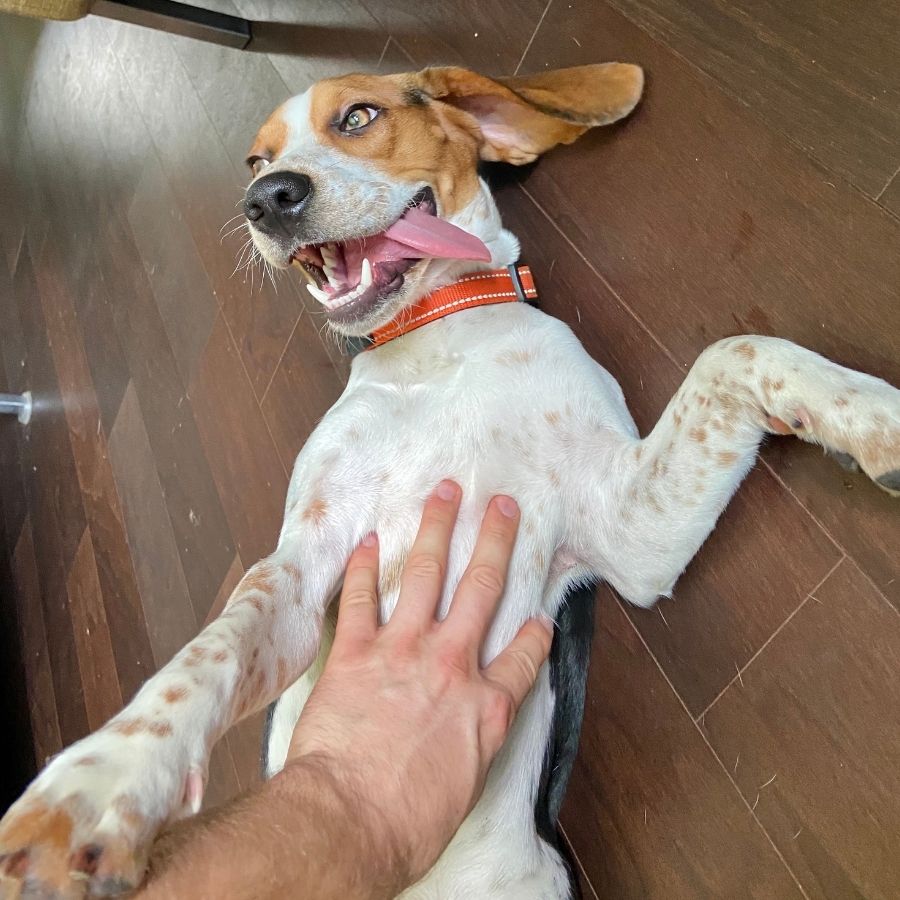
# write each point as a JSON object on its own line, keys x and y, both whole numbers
{"x": 369, "y": 184}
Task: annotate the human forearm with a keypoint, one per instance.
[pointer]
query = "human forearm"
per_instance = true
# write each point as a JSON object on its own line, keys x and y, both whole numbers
{"x": 304, "y": 834}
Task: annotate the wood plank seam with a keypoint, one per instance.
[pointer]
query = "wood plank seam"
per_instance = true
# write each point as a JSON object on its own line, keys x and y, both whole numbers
{"x": 709, "y": 746}
{"x": 740, "y": 670}
{"x": 537, "y": 28}
{"x": 735, "y": 97}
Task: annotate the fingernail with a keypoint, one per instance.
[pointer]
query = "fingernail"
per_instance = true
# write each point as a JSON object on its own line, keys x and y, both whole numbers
{"x": 507, "y": 506}
{"x": 370, "y": 540}
{"x": 447, "y": 490}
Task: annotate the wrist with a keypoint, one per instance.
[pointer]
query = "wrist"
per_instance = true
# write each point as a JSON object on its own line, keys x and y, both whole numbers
{"x": 369, "y": 856}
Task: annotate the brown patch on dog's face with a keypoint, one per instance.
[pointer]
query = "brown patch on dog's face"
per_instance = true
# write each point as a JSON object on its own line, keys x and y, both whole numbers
{"x": 270, "y": 140}
{"x": 410, "y": 139}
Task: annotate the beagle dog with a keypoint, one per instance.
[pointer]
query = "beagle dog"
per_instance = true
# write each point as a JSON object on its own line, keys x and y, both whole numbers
{"x": 369, "y": 187}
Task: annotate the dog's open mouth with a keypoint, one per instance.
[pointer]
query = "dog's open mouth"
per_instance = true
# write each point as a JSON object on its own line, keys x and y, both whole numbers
{"x": 350, "y": 277}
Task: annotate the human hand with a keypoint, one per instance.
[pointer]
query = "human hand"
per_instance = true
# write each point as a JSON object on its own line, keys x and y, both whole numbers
{"x": 404, "y": 722}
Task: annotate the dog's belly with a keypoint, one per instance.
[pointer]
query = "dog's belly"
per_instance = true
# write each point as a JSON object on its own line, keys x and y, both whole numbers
{"x": 506, "y": 416}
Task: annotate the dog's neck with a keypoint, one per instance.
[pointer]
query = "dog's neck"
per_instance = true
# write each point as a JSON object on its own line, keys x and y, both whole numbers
{"x": 481, "y": 218}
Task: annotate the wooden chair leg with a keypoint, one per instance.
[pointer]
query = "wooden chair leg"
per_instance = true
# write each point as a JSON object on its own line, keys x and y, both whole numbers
{"x": 179, "y": 18}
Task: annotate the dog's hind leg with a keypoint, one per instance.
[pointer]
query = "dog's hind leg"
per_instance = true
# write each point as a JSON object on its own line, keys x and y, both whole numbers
{"x": 663, "y": 494}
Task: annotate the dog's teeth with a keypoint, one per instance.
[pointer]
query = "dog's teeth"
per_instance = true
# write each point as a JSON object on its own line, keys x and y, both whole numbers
{"x": 303, "y": 271}
{"x": 318, "y": 293}
{"x": 365, "y": 278}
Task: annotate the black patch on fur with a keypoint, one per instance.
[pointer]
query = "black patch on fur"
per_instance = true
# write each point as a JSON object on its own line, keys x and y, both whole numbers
{"x": 499, "y": 175}
{"x": 569, "y": 657}
{"x": 415, "y": 97}
{"x": 266, "y": 734}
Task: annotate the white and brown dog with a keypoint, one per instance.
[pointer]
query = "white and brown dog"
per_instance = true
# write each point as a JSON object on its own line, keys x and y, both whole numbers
{"x": 370, "y": 186}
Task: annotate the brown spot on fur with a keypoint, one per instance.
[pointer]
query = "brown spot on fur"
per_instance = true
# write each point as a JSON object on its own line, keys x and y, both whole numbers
{"x": 678, "y": 419}
{"x": 175, "y": 694}
{"x": 282, "y": 671}
{"x": 129, "y": 727}
{"x": 87, "y": 761}
{"x": 554, "y": 478}
{"x": 391, "y": 573}
{"x": 659, "y": 468}
{"x": 256, "y": 603}
{"x": 261, "y": 579}
{"x": 140, "y": 725}
{"x": 698, "y": 435}
{"x": 702, "y": 400}
{"x": 840, "y": 401}
{"x": 553, "y": 417}
{"x": 515, "y": 358}
{"x": 292, "y": 572}
{"x": 49, "y": 826}
{"x": 315, "y": 512}
{"x": 128, "y": 810}
{"x": 638, "y": 453}
{"x": 726, "y": 457}
{"x": 778, "y": 385}
{"x": 220, "y": 656}
{"x": 746, "y": 350}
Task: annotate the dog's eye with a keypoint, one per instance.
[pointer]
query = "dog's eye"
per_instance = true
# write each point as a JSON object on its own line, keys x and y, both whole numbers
{"x": 257, "y": 164}
{"x": 358, "y": 117}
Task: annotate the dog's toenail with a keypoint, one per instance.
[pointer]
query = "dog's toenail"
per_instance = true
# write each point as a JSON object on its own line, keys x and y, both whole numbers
{"x": 890, "y": 480}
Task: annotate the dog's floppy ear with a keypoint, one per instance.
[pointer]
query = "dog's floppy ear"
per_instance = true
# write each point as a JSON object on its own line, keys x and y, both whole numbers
{"x": 520, "y": 118}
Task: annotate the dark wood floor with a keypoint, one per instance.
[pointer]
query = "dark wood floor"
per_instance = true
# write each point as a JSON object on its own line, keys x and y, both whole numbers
{"x": 742, "y": 740}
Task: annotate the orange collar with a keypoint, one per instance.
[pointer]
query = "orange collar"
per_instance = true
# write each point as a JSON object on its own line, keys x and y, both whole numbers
{"x": 509, "y": 285}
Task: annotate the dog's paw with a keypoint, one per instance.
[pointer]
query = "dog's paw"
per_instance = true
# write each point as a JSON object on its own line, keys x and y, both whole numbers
{"x": 859, "y": 426}
{"x": 85, "y": 826}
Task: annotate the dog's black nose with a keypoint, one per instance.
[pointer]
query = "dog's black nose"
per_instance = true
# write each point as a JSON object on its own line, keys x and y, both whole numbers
{"x": 276, "y": 201}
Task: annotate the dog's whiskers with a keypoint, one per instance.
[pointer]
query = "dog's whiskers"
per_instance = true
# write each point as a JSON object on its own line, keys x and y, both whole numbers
{"x": 239, "y": 215}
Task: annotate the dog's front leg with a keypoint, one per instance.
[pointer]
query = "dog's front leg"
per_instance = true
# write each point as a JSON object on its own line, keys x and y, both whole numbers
{"x": 86, "y": 824}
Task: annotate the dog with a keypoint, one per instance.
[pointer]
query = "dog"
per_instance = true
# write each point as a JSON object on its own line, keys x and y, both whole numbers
{"x": 370, "y": 188}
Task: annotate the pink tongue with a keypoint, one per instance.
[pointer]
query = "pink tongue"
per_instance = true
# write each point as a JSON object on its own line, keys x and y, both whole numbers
{"x": 415, "y": 236}
{"x": 432, "y": 236}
